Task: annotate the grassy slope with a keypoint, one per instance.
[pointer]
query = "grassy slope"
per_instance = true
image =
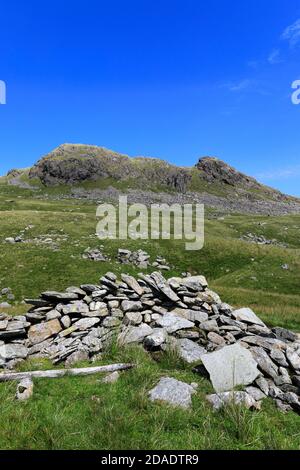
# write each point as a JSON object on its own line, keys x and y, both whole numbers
{"x": 62, "y": 413}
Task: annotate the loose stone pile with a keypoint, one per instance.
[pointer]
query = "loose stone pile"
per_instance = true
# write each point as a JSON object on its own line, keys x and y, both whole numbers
{"x": 141, "y": 259}
{"x": 6, "y": 296}
{"x": 94, "y": 255}
{"x": 261, "y": 240}
{"x": 231, "y": 347}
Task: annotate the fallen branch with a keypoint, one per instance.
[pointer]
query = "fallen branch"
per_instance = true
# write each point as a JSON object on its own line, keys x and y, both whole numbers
{"x": 53, "y": 374}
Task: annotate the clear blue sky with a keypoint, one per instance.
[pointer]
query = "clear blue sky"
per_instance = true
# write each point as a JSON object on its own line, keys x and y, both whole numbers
{"x": 175, "y": 79}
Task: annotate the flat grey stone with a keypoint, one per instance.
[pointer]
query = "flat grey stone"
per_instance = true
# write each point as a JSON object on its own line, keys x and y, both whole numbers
{"x": 86, "y": 323}
{"x": 41, "y": 331}
{"x": 132, "y": 283}
{"x": 191, "y": 315}
{"x": 3, "y": 325}
{"x": 13, "y": 351}
{"x": 93, "y": 343}
{"x": 77, "y": 307}
{"x": 173, "y": 323}
{"x": 190, "y": 351}
{"x": 52, "y": 315}
{"x": 59, "y": 296}
{"x": 195, "y": 283}
{"x": 229, "y": 367}
{"x": 173, "y": 392}
{"x": 133, "y": 318}
{"x": 255, "y": 393}
{"x": 220, "y": 400}
{"x": 135, "y": 334}
{"x": 264, "y": 362}
{"x": 210, "y": 325}
{"x": 216, "y": 339}
{"x": 279, "y": 357}
{"x": 248, "y": 316}
{"x": 262, "y": 383}
{"x": 65, "y": 321}
{"x": 131, "y": 306}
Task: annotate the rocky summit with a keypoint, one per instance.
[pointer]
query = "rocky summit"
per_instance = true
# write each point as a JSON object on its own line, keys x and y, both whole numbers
{"x": 232, "y": 348}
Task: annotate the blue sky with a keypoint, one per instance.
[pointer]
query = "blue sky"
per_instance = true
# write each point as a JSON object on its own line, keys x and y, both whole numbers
{"x": 175, "y": 79}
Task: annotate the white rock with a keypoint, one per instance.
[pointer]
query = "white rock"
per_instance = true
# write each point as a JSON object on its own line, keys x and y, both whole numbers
{"x": 230, "y": 366}
{"x": 173, "y": 392}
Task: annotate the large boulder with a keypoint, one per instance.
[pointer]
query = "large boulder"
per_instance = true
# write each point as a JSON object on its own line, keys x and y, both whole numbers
{"x": 229, "y": 367}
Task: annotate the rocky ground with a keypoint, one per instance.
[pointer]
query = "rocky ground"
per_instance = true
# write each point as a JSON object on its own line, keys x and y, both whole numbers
{"x": 237, "y": 203}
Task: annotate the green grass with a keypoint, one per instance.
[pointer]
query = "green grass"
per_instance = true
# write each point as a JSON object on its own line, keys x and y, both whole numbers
{"x": 62, "y": 413}
{"x": 82, "y": 413}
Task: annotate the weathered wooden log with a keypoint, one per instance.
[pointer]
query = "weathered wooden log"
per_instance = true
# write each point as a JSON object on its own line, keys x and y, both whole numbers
{"x": 56, "y": 373}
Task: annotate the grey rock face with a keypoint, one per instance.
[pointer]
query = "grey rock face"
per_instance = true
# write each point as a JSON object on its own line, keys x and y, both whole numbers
{"x": 70, "y": 163}
{"x": 190, "y": 351}
{"x": 173, "y": 392}
{"x": 229, "y": 367}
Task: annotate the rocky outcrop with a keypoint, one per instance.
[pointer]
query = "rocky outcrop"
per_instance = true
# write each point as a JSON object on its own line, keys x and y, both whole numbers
{"x": 213, "y": 169}
{"x": 71, "y": 164}
{"x": 231, "y": 347}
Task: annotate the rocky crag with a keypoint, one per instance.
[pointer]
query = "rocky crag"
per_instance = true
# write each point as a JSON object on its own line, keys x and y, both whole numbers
{"x": 230, "y": 347}
{"x": 97, "y": 173}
